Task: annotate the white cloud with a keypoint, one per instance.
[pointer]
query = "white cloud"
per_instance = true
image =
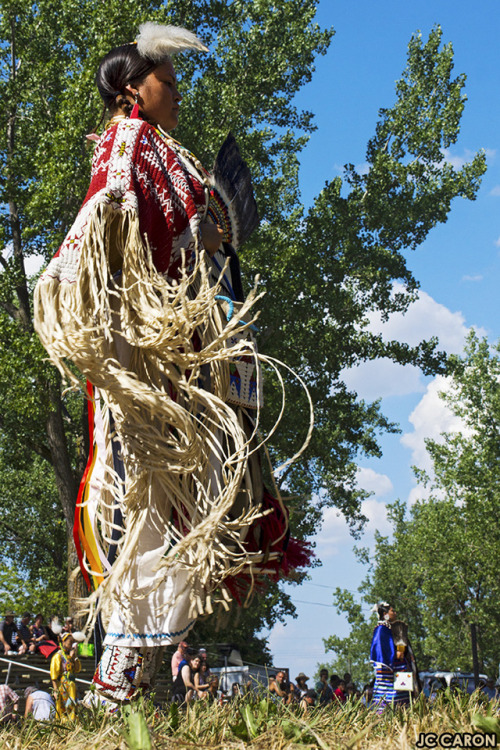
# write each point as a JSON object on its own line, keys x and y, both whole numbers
{"x": 34, "y": 264}
{"x": 371, "y": 481}
{"x": 335, "y": 537}
{"x": 362, "y": 168}
{"x": 382, "y": 377}
{"x": 457, "y": 162}
{"x": 425, "y": 318}
{"x": 417, "y": 493}
{"x": 495, "y": 191}
{"x": 430, "y": 418}
{"x": 474, "y": 277}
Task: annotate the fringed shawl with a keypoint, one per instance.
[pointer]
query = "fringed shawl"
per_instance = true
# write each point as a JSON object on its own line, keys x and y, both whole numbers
{"x": 127, "y": 299}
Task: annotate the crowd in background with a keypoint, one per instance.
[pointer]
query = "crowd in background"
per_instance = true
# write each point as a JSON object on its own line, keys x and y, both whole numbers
{"x": 30, "y": 635}
{"x": 192, "y": 680}
{"x": 53, "y": 641}
{"x": 192, "y": 677}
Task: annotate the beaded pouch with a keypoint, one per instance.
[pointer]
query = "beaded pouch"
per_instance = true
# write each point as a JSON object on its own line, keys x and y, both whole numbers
{"x": 245, "y": 373}
{"x": 403, "y": 681}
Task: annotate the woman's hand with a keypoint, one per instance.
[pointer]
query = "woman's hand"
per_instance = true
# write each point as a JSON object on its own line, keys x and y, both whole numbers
{"x": 212, "y": 236}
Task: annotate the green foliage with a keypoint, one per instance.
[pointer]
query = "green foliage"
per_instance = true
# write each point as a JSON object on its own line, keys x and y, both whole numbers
{"x": 438, "y": 568}
{"x": 351, "y": 653}
{"x": 324, "y": 270}
{"x": 137, "y": 733}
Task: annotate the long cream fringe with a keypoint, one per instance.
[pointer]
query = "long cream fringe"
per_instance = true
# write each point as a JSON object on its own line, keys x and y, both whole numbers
{"x": 133, "y": 339}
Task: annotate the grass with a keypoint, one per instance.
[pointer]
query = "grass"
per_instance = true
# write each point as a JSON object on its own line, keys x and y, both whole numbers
{"x": 257, "y": 724}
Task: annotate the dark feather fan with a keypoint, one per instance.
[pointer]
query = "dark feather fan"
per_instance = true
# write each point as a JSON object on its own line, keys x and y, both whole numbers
{"x": 399, "y": 630}
{"x": 231, "y": 178}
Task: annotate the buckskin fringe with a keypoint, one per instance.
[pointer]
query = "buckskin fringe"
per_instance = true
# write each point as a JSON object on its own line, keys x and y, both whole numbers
{"x": 133, "y": 338}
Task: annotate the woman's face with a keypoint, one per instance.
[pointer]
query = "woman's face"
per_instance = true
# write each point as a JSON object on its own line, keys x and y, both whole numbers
{"x": 393, "y": 615}
{"x": 195, "y": 663}
{"x": 67, "y": 644}
{"x": 158, "y": 97}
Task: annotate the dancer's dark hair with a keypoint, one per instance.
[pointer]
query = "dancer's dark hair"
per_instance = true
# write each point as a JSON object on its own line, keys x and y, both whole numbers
{"x": 383, "y": 609}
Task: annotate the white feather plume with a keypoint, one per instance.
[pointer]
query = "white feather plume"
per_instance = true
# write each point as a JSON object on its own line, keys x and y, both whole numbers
{"x": 156, "y": 41}
{"x": 55, "y": 626}
{"x": 78, "y": 636}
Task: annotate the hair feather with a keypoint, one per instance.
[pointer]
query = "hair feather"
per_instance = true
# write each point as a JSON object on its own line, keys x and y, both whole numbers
{"x": 158, "y": 42}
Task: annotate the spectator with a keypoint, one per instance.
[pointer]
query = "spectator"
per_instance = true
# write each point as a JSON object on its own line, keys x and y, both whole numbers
{"x": 68, "y": 625}
{"x": 184, "y": 688}
{"x": 301, "y": 686}
{"x": 489, "y": 689}
{"x": 435, "y": 688}
{"x": 235, "y": 691}
{"x": 201, "y": 678}
{"x": 39, "y": 704}
{"x": 281, "y": 688}
{"x": 367, "y": 696}
{"x": 334, "y": 682}
{"x": 213, "y": 688}
{"x": 350, "y": 690}
{"x": 308, "y": 700}
{"x": 9, "y": 703}
{"x": 64, "y": 666}
{"x": 8, "y": 634}
{"x": 179, "y": 656}
{"x": 323, "y": 689}
{"x": 24, "y": 635}
{"x": 340, "y": 692}
{"x": 44, "y": 639}
{"x": 38, "y": 632}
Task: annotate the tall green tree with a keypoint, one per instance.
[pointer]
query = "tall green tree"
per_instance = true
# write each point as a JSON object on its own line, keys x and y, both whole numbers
{"x": 439, "y": 567}
{"x": 324, "y": 270}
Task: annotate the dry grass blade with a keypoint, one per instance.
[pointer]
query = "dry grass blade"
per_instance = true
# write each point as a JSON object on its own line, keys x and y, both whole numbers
{"x": 258, "y": 724}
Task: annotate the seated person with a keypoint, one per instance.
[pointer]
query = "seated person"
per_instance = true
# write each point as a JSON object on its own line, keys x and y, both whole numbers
{"x": 201, "y": 678}
{"x": 323, "y": 689}
{"x": 8, "y": 634}
{"x": 38, "y": 632}
{"x": 281, "y": 688}
{"x": 235, "y": 691}
{"x": 340, "y": 693}
{"x": 213, "y": 688}
{"x": 301, "y": 687}
{"x": 308, "y": 700}
{"x": 24, "y": 635}
{"x": 184, "y": 689}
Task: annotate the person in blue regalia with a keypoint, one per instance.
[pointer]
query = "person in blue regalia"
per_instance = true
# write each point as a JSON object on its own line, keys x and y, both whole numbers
{"x": 390, "y": 653}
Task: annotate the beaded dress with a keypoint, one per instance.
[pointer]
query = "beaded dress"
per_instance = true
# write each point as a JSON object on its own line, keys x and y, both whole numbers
{"x": 172, "y": 518}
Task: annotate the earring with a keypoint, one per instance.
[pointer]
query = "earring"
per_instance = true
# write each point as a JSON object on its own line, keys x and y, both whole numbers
{"x": 134, "y": 115}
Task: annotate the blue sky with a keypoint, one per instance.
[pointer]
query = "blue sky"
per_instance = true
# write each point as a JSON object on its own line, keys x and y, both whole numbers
{"x": 458, "y": 266}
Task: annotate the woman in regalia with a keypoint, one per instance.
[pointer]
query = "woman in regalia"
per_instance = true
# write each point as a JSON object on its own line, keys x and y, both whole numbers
{"x": 144, "y": 298}
{"x": 390, "y": 653}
